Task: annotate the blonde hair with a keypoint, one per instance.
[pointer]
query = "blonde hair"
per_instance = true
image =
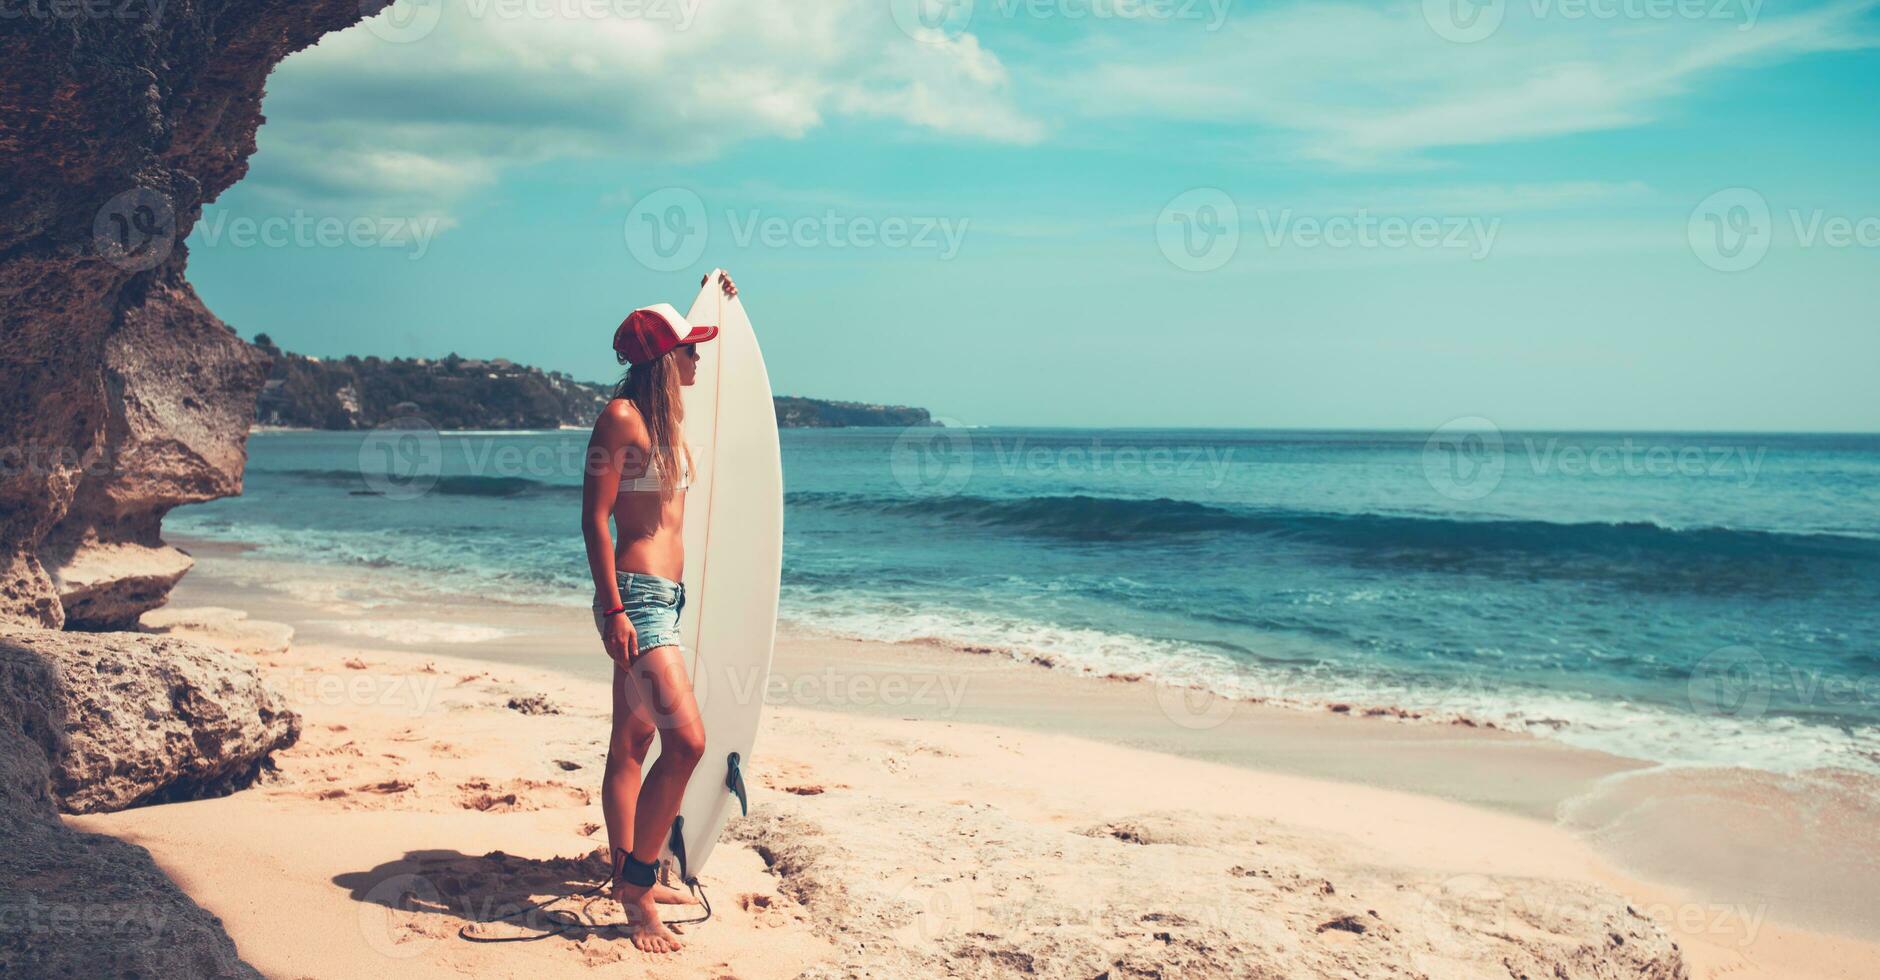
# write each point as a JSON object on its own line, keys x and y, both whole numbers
{"x": 654, "y": 389}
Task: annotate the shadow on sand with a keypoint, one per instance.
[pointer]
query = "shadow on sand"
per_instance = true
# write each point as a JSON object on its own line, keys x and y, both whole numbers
{"x": 493, "y": 898}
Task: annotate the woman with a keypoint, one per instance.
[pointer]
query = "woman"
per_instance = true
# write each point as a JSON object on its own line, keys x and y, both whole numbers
{"x": 638, "y": 469}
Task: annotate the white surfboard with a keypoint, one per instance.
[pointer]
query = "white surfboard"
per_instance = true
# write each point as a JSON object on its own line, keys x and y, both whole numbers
{"x": 733, "y": 563}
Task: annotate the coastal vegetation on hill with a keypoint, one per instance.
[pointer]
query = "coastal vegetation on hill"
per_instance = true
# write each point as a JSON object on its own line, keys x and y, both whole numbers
{"x": 455, "y": 392}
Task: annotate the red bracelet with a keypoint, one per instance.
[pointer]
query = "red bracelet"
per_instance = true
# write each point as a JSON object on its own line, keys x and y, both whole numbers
{"x": 617, "y": 610}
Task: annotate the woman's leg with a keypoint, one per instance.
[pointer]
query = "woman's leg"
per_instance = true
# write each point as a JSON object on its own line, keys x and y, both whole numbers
{"x": 627, "y": 745}
{"x": 660, "y": 691}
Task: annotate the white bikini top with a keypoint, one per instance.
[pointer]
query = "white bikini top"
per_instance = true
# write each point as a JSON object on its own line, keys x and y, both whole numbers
{"x": 650, "y": 481}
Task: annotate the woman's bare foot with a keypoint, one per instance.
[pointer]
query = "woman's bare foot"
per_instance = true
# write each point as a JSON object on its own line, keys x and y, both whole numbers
{"x": 661, "y": 894}
{"x": 672, "y": 896}
{"x": 649, "y": 934}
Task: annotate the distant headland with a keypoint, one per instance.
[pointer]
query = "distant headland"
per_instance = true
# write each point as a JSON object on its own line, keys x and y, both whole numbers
{"x": 454, "y": 392}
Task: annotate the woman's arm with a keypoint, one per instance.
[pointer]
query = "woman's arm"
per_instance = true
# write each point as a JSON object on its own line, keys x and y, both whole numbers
{"x": 600, "y": 483}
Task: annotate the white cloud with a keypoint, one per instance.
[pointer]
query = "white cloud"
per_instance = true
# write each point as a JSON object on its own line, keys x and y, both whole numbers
{"x": 494, "y": 84}
{"x": 1369, "y": 86}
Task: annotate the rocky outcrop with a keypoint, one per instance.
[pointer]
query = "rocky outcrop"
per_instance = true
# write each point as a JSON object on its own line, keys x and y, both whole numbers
{"x": 81, "y": 905}
{"x": 815, "y": 413}
{"x": 181, "y": 388}
{"x": 1170, "y": 894}
{"x": 131, "y": 718}
{"x": 121, "y": 396}
{"x": 108, "y": 585}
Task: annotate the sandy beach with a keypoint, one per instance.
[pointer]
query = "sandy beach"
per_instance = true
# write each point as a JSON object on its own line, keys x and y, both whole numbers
{"x": 1295, "y": 490}
{"x": 920, "y": 810}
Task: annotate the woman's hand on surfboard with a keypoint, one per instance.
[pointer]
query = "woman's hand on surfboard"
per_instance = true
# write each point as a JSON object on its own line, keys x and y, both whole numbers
{"x": 621, "y": 639}
{"x": 730, "y": 288}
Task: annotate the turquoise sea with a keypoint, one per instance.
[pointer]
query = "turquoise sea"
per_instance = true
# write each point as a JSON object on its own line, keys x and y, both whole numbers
{"x": 1685, "y": 598}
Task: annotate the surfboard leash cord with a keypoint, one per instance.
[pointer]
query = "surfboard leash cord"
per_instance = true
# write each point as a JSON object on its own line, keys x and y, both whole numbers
{"x": 566, "y": 921}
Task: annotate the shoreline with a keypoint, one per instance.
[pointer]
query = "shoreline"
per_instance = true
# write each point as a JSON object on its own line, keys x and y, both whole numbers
{"x": 1633, "y": 726}
{"x": 1695, "y": 838}
{"x": 1173, "y": 718}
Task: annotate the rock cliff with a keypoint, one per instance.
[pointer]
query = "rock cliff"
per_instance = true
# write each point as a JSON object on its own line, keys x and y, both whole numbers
{"x": 123, "y": 395}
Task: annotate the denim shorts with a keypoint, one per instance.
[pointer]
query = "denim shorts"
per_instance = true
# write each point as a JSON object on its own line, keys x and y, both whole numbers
{"x": 653, "y": 606}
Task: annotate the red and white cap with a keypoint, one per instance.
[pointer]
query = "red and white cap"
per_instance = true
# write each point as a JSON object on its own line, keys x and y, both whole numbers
{"x": 648, "y": 333}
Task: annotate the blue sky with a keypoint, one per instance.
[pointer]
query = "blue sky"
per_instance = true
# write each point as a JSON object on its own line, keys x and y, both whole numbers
{"x": 1545, "y": 213}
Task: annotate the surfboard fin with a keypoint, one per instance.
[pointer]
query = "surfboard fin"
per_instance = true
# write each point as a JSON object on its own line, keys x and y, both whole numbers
{"x": 677, "y": 843}
{"x": 734, "y": 781}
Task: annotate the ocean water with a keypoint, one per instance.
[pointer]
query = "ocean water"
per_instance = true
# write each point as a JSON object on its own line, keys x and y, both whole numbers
{"x": 1684, "y": 598}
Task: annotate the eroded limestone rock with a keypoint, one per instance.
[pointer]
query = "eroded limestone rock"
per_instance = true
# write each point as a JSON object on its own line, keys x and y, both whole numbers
{"x": 132, "y": 718}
